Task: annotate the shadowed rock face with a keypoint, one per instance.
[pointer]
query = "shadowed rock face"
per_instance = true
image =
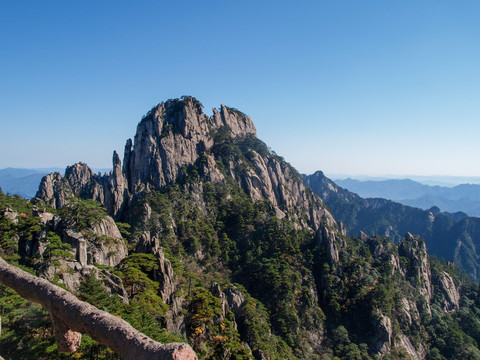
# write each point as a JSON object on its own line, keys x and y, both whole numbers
{"x": 383, "y": 334}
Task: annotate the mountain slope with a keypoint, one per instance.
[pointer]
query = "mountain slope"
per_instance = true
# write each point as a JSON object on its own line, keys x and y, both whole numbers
{"x": 455, "y": 240}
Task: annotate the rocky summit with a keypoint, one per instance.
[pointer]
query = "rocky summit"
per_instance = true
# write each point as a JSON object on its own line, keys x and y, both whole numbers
{"x": 204, "y": 235}
{"x": 174, "y": 136}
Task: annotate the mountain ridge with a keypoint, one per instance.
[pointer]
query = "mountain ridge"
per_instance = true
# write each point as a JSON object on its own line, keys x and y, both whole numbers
{"x": 463, "y": 197}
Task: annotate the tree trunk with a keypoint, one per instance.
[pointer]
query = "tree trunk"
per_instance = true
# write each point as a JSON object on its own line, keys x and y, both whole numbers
{"x": 71, "y": 318}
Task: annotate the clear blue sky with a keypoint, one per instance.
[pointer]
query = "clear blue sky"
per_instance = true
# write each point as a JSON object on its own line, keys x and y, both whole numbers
{"x": 351, "y": 87}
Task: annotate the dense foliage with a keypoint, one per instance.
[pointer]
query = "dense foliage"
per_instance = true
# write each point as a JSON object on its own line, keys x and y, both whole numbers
{"x": 82, "y": 213}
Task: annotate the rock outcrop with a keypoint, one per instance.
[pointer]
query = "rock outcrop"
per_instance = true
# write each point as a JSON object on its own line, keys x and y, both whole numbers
{"x": 116, "y": 192}
{"x": 231, "y": 299}
{"x": 414, "y": 249}
{"x": 330, "y": 239}
{"x": 216, "y": 290}
{"x": 403, "y": 342}
{"x": 409, "y": 311}
{"x": 386, "y": 339}
{"x": 382, "y": 342}
{"x": 166, "y": 277}
{"x": 54, "y": 190}
{"x": 11, "y": 215}
{"x": 79, "y": 180}
{"x": 452, "y": 296}
{"x": 100, "y": 244}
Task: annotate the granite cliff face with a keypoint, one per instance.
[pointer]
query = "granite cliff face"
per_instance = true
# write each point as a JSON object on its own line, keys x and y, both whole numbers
{"x": 174, "y": 135}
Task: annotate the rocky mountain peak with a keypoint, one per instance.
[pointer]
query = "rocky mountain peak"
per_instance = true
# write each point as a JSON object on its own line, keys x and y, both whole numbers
{"x": 116, "y": 161}
{"x": 185, "y": 116}
{"x": 239, "y": 123}
{"x": 172, "y": 138}
{"x": 174, "y": 134}
{"x": 78, "y": 176}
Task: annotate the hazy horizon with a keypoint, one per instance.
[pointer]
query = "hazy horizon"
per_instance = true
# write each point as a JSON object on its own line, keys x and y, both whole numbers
{"x": 445, "y": 180}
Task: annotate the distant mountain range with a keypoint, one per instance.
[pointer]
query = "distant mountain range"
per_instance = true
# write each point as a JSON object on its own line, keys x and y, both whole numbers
{"x": 438, "y": 180}
{"x": 465, "y": 197}
{"x": 25, "y": 182}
